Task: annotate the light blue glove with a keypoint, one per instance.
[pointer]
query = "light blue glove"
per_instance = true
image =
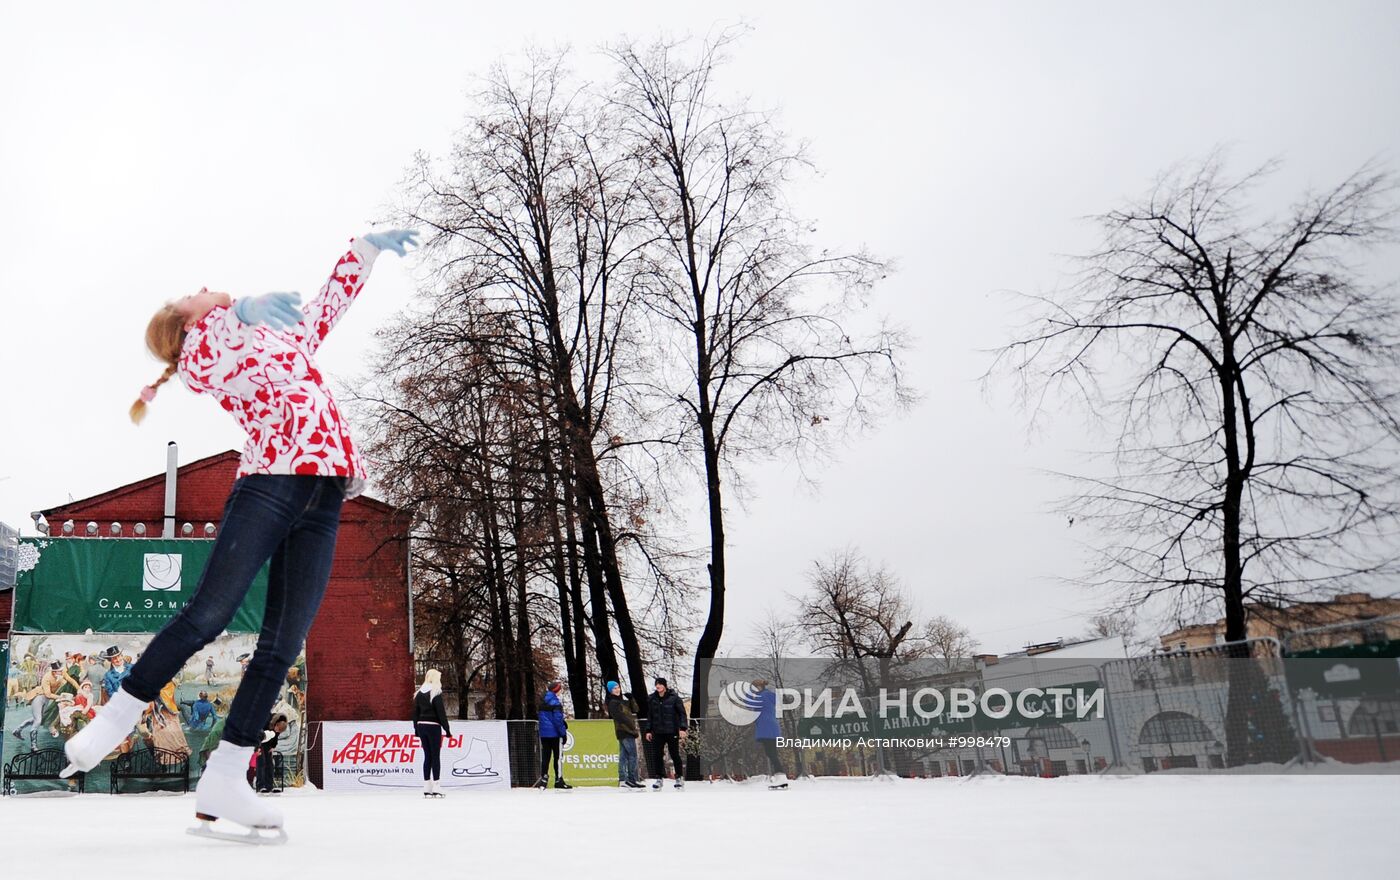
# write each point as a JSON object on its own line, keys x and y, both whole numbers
{"x": 280, "y": 311}
{"x": 393, "y": 239}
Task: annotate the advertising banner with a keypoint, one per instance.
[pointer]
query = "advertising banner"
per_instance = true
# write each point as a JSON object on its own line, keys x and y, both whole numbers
{"x": 58, "y": 683}
{"x": 115, "y": 585}
{"x": 590, "y": 753}
{"x": 386, "y": 755}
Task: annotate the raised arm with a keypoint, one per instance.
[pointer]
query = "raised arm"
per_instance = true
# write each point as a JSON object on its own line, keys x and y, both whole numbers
{"x": 351, "y": 271}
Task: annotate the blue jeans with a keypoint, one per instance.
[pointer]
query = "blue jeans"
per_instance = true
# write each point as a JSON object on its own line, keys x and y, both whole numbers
{"x": 291, "y": 520}
{"x": 627, "y": 759}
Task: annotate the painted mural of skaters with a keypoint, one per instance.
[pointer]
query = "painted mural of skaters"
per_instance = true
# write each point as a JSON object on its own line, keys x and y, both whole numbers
{"x": 94, "y": 673}
{"x": 200, "y": 712}
{"x": 76, "y": 712}
{"x": 431, "y": 725}
{"x": 667, "y": 726}
{"x": 71, "y": 672}
{"x": 766, "y": 731}
{"x": 622, "y": 709}
{"x": 30, "y": 670}
{"x": 553, "y": 730}
{"x": 160, "y": 727}
{"x": 14, "y": 686}
{"x": 40, "y": 698}
{"x": 117, "y": 671}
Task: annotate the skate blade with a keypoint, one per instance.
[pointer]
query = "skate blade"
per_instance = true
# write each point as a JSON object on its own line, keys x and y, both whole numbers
{"x": 252, "y": 836}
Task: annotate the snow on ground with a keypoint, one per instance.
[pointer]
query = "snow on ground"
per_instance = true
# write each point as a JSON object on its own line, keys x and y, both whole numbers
{"x": 1075, "y": 827}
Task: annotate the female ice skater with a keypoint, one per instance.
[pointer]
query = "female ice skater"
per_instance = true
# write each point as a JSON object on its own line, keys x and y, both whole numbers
{"x": 256, "y": 356}
{"x": 431, "y": 725}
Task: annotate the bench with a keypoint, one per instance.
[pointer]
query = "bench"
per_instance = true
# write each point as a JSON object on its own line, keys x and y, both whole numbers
{"x": 42, "y": 764}
{"x": 150, "y": 763}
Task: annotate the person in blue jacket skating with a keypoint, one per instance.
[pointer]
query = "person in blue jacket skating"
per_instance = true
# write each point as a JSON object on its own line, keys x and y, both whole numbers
{"x": 764, "y": 701}
{"x": 553, "y": 729}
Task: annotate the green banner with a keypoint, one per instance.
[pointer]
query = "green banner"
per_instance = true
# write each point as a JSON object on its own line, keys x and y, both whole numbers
{"x": 116, "y": 585}
{"x": 1357, "y": 671}
{"x": 590, "y": 753}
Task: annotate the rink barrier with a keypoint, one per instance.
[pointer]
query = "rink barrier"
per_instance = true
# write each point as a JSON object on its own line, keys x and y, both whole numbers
{"x": 1250, "y": 706}
{"x": 1164, "y": 712}
{"x": 524, "y": 739}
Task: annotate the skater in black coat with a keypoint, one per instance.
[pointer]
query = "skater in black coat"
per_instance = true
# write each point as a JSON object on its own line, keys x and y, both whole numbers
{"x": 430, "y": 724}
{"x": 667, "y": 727}
{"x": 276, "y": 726}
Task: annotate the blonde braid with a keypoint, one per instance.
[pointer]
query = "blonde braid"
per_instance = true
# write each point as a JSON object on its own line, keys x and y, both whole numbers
{"x": 138, "y": 409}
{"x": 165, "y": 335}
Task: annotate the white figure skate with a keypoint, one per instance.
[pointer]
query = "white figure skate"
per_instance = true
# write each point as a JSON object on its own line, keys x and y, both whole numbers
{"x": 223, "y": 794}
{"x": 104, "y": 733}
{"x": 777, "y": 781}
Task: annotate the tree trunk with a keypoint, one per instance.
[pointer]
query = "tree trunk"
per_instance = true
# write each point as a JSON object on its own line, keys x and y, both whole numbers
{"x": 626, "y": 632}
{"x": 498, "y": 630}
{"x": 580, "y": 632}
{"x": 708, "y": 645}
{"x": 573, "y": 660}
{"x": 1229, "y": 376}
{"x": 598, "y": 603}
{"x": 523, "y": 643}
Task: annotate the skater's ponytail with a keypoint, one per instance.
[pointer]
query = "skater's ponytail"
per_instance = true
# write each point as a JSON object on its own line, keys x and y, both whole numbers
{"x": 165, "y": 335}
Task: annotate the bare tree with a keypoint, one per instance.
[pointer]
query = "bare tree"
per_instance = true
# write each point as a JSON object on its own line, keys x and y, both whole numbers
{"x": 852, "y": 610}
{"x": 452, "y": 445}
{"x": 950, "y": 642}
{"x": 759, "y": 361}
{"x": 859, "y": 615}
{"x": 534, "y": 218}
{"x": 1249, "y": 374}
{"x": 1108, "y": 625}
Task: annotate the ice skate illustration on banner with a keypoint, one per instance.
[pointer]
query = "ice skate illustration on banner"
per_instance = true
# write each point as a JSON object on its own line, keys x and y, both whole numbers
{"x": 474, "y": 768}
{"x": 476, "y": 765}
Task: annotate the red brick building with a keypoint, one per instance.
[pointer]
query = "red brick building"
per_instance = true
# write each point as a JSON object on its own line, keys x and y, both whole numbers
{"x": 359, "y": 655}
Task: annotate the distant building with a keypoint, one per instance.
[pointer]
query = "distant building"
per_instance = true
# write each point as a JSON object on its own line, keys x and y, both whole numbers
{"x": 1267, "y": 621}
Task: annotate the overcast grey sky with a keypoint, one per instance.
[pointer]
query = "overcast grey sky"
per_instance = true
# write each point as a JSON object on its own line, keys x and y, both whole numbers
{"x": 146, "y": 150}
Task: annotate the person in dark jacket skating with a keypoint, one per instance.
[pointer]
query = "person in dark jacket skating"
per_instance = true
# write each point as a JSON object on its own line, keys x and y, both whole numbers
{"x": 553, "y": 729}
{"x": 623, "y": 712}
{"x": 276, "y": 726}
{"x": 430, "y": 724}
{"x": 667, "y": 726}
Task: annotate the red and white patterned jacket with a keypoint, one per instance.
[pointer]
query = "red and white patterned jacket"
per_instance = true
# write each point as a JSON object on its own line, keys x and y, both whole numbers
{"x": 269, "y": 381}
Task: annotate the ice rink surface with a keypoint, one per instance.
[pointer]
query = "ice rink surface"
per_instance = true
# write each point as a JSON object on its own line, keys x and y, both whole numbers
{"x": 1177, "y": 826}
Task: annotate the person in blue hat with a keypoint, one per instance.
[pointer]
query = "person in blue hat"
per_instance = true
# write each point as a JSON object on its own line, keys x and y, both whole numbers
{"x": 622, "y": 709}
